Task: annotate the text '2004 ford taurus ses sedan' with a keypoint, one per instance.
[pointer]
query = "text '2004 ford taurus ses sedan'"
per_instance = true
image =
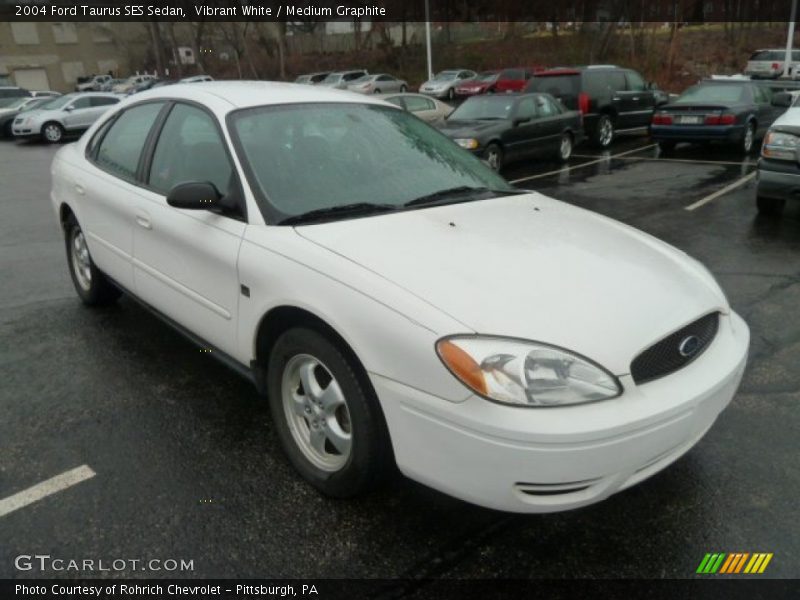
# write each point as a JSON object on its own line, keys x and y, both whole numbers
{"x": 395, "y": 299}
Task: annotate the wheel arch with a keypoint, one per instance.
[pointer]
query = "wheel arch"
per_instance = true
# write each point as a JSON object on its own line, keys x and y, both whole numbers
{"x": 65, "y": 212}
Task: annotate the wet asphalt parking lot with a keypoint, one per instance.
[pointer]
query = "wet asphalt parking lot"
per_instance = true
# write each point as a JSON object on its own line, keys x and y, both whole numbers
{"x": 187, "y": 465}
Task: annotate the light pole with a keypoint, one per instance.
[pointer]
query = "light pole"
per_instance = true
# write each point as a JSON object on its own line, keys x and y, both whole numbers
{"x": 428, "y": 37}
{"x": 789, "y": 41}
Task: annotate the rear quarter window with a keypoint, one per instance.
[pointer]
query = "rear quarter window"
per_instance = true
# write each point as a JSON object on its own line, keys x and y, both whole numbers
{"x": 555, "y": 85}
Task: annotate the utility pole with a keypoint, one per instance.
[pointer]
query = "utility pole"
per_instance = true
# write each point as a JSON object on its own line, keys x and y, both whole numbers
{"x": 790, "y": 41}
{"x": 428, "y": 35}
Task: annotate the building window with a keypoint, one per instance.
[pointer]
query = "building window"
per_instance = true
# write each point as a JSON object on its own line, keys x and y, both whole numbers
{"x": 72, "y": 70}
{"x": 25, "y": 33}
{"x": 65, "y": 33}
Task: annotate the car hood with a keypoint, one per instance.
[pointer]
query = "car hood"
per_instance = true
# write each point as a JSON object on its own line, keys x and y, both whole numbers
{"x": 791, "y": 118}
{"x": 527, "y": 266}
{"x": 456, "y": 128}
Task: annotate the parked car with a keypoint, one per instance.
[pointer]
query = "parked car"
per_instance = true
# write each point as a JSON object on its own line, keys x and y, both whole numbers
{"x": 430, "y": 110}
{"x": 734, "y": 112}
{"x": 67, "y": 114}
{"x": 312, "y": 78}
{"x": 612, "y": 99}
{"x": 443, "y": 84}
{"x": 377, "y": 84}
{"x": 131, "y": 82}
{"x": 94, "y": 83}
{"x": 779, "y": 166}
{"x": 11, "y": 107}
{"x": 512, "y": 80}
{"x": 12, "y": 91}
{"x": 111, "y": 84}
{"x": 145, "y": 85}
{"x": 196, "y": 79}
{"x": 501, "y": 129}
{"x": 341, "y": 79}
{"x": 480, "y": 84}
{"x": 769, "y": 63}
{"x": 503, "y": 347}
{"x": 44, "y": 94}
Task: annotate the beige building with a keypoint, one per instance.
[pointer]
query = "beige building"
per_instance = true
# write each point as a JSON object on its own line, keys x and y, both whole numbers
{"x": 51, "y": 56}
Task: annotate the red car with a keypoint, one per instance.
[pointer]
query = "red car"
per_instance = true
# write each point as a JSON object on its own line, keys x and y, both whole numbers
{"x": 513, "y": 80}
{"x": 480, "y": 85}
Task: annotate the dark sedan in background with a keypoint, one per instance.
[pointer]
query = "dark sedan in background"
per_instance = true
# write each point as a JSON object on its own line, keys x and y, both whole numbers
{"x": 504, "y": 127}
{"x": 734, "y": 112}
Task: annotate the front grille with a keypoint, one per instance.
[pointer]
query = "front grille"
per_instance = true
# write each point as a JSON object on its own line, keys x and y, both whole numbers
{"x": 665, "y": 357}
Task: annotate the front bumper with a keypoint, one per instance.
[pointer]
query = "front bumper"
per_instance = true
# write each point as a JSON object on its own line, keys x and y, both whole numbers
{"x": 552, "y": 459}
{"x": 435, "y": 93}
{"x": 699, "y": 133}
{"x": 24, "y": 131}
{"x": 782, "y": 185}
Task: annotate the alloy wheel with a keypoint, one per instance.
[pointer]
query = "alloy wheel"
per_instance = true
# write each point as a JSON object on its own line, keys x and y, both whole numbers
{"x": 81, "y": 262}
{"x": 52, "y": 133}
{"x": 565, "y": 148}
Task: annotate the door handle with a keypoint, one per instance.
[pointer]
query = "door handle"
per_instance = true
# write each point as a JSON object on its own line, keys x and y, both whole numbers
{"x": 143, "y": 221}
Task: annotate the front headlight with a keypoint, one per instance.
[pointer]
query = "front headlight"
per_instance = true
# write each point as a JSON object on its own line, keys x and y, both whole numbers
{"x": 780, "y": 146}
{"x": 468, "y": 143}
{"x": 523, "y": 373}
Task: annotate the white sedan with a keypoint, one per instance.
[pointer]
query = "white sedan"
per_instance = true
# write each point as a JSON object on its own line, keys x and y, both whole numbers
{"x": 395, "y": 299}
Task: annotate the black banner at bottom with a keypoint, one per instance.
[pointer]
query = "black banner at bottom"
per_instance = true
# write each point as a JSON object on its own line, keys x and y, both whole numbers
{"x": 439, "y": 589}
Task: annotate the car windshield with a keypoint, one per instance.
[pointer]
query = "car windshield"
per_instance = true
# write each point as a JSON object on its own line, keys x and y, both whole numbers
{"x": 363, "y": 79}
{"x": 445, "y": 76}
{"x": 311, "y": 157}
{"x": 13, "y": 102}
{"x": 332, "y": 78}
{"x": 35, "y": 104}
{"x": 727, "y": 93}
{"x": 487, "y": 76}
{"x": 483, "y": 108}
{"x": 57, "y": 102}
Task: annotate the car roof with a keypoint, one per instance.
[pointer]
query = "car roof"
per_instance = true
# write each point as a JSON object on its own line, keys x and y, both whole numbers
{"x": 246, "y": 94}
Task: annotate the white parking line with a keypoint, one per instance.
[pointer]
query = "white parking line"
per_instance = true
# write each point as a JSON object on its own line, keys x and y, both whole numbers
{"x": 45, "y": 488}
{"x": 723, "y": 191}
{"x": 679, "y": 160}
{"x": 586, "y": 164}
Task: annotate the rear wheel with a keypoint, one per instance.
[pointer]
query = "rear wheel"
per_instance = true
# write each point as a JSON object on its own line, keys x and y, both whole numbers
{"x": 52, "y": 132}
{"x": 770, "y": 206}
{"x": 666, "y": 147}
{"x": 565, "y": 147}
{"x": 403, "y": 89}
{"x": 93, "y": 288}
{"x": 329, "y": 421}
{"x": 604, "y": 131}
{"x": 494, "y": 156}
{"x": 377, "y": 91}
{"x": 748, "y": 138}
{"x": 451, "y": 94}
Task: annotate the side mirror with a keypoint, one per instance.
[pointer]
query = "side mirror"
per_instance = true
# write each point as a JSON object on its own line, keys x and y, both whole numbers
{"x": 69, "y": 108}
{"x": 196, "y": 195}
{"x": 782, "y": 99}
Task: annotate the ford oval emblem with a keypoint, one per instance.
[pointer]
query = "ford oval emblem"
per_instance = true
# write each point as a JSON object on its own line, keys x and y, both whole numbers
{"x": 689, "y": 346}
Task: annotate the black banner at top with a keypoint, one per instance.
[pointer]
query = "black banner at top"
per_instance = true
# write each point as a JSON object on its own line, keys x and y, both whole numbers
{"x": 620, "y": 11}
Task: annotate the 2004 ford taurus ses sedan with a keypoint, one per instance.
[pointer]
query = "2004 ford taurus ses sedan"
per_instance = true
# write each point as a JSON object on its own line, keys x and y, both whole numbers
{"x": 395, "y": 299}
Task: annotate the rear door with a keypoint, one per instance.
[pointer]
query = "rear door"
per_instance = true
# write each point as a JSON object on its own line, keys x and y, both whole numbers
{"x": 564, "y": 87}
{"x": 550, "y": 123}
{"x": 522, "y": 138}
{"x": 624, "y": 101}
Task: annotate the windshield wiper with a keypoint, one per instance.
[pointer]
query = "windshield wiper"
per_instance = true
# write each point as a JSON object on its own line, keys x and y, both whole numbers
{"x": 343, "y": 210}
{"x": 461, "y": 193}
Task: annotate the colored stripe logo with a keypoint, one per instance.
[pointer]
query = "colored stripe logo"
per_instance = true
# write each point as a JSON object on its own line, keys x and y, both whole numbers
{"x": 734, "y": 563}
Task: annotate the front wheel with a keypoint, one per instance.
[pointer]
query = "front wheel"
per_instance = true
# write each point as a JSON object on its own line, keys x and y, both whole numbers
{"x": 451, "y": 94}
{"x": 604, "y": 132}
{"x": 565, "y": 147}
{"x": 403, "y": 89}
{"x": 52, "y": 133}
{"x": 93, "y": 288}
{"x": 327, "y": 418}
{"x": 770, "y": 206}
{"x": 494, "y": 156}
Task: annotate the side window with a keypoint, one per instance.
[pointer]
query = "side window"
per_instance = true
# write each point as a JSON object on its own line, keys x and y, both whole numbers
{"x": 103, "y": 101}
{"x": 190, "y": 148}
{"x": 84, "y": 102}
{"x": 352, "y": 76}
{"x": 418, "y": 104}
{"x": 762, "y": 95}
{"x": 635, "y": 82}
{"x": 91, "y": 147}
{"x": 616, "y": 81}
{"x": 121, "y": 147}
{"x": 385, "y": 78}
{"x": 396, "y": 100}
{"x": 545, "y": 108}
{"x": 526, "y": 109}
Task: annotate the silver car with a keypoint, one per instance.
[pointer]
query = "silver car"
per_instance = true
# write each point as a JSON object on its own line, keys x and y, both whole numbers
{"x": 377, "y": 84}
{"x": 428, "y": 109}
{"x": 768, "y": 64}
{"x": 444, "y": 83}
{"x": 341, "y": 79}
{"x": 70, "y": 113}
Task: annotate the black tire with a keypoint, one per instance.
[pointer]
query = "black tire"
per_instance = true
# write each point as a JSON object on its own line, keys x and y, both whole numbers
{"x": 748, "y": 141}
{"x": 772, "y": 207}
{"x": 565, "y": 147}
{"x": 494, "y": 156}
{"x": 666, "y": 147}
{"x": 603, "y": 133}
{"x": 94, "y": 289}
{"x": 370, "y": 457}
{"x": 7, "y": 133}
{"x": 451, "y": 94}
{"x": 377, "y": 91}
{"x": 403, "y": 89}
{"x": 52, "y": 132}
